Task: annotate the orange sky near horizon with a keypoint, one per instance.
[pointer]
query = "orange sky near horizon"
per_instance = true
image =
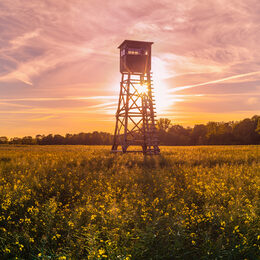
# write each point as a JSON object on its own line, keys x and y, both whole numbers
{"x": 59, "y": 62}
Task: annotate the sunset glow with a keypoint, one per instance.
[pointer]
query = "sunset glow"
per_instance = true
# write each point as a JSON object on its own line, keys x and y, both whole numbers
{"x": 142, "y": 89}
{"x": 164, "y": 101}
{"x": 59, "y": 62}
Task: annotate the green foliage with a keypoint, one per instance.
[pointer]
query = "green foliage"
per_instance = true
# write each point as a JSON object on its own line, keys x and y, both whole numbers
{"x": 218, "y": 133}
{"x": 246, "y": 131}
{"x": 163, "y": 124}
{"x": 80, "y": 202}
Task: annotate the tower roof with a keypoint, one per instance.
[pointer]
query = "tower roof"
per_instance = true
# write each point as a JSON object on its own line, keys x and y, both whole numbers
{"x": 132, "y": 43}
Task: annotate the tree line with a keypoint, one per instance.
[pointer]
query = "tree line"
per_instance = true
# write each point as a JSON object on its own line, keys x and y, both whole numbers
{"x": 246, "y": 132}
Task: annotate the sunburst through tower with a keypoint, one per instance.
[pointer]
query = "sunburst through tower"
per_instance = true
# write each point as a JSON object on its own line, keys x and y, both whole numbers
{"x": 135, "y": 116}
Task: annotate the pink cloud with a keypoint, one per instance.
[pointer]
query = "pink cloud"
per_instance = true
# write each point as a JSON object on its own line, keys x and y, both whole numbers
{"x": 55, "y": 50}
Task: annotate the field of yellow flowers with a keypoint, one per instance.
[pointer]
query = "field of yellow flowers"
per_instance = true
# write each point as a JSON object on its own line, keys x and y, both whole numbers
{"x": 82, "y": 202}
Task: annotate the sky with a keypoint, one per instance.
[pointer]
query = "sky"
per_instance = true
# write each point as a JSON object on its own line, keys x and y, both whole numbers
{"x": 59, "y": 62}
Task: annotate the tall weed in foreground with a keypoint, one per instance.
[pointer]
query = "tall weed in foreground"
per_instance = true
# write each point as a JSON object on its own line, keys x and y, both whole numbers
{"x": 81, "y": 202}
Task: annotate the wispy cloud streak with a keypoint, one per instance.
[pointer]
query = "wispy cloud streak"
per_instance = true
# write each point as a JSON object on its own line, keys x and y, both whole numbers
{"x": 59, "y": 98}
{"x": 215, "y": 81}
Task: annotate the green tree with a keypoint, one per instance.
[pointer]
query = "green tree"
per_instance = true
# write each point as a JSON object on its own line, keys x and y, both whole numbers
{"x": 163, "y": 124}
{"x": 198, "y": 135}
{"x": 244, "y": 131}
{"x": 3, "y": 140}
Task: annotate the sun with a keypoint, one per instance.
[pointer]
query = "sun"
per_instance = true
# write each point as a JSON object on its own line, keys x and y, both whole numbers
{"x": 163, "y": 99}
{"x": 142, "y": 89}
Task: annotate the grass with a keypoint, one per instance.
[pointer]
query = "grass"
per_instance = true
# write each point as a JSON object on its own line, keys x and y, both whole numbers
{"x": 82, "y": 202}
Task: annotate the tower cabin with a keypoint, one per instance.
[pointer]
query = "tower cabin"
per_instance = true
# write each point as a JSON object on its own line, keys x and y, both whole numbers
{"x": 135, "y": 57}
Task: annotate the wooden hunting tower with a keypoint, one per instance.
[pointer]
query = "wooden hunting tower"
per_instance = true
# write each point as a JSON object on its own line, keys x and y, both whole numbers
{"x": 135, "y": 57}
{"x": 135, "y": 117}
